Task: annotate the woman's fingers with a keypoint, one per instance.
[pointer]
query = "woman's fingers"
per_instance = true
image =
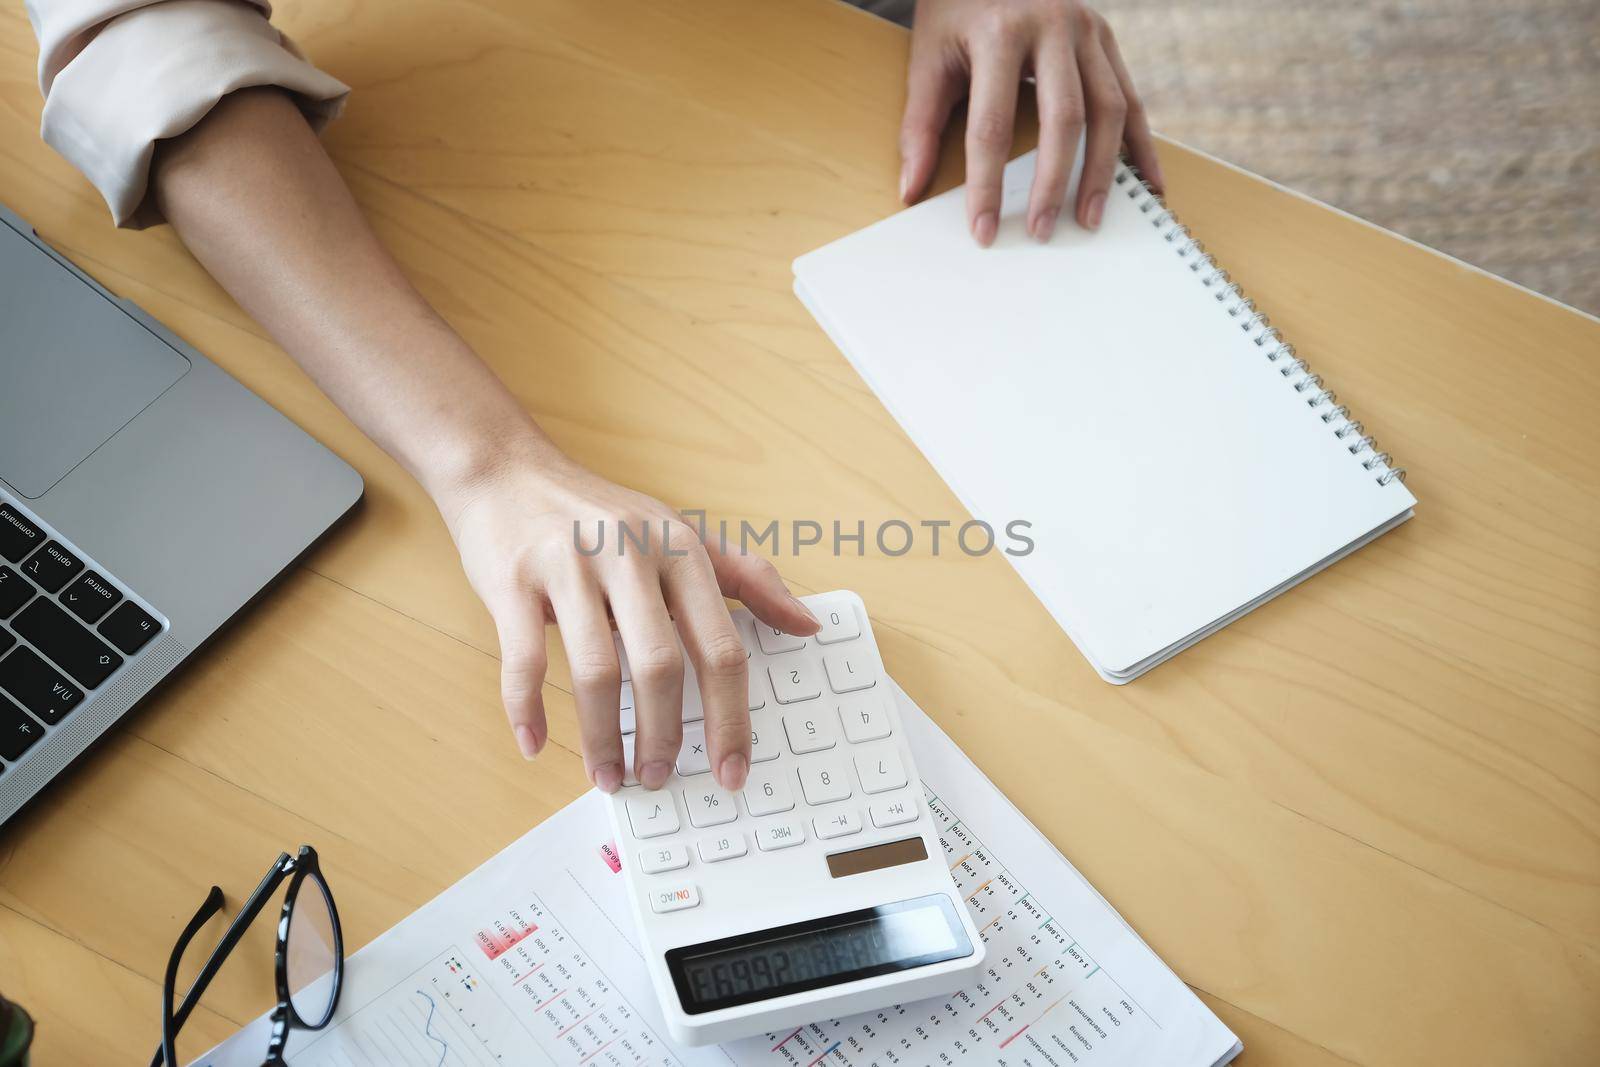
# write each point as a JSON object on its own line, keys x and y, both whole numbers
{"x": 596, "y": 673}
{"x": 720, "y": 664}
{"x": 519, "y": 621}
{"x": 1059, "y": 90}
{"x": 755, "y": 583}
{"x": 932, "y": 89}
{"x": 996, "y": 55}
{"x": 655, "y": 663}
{"x": 1106, "y": 109}
{"x": 1085, "y": 97}
{"x": 1136, "y": 133}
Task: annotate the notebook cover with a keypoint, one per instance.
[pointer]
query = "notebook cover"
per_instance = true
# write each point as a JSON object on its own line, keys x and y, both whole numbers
{"x": 1093, "y": 387}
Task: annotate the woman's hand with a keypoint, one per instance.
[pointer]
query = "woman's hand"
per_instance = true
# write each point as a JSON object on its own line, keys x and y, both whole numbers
{"x": 254, "y": 196}
{"x": 527, "y": 533}
{"x": 982, "y": 49}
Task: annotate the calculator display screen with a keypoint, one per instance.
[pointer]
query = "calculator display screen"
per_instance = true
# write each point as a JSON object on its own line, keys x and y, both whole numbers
{"x": 817, "y": 953}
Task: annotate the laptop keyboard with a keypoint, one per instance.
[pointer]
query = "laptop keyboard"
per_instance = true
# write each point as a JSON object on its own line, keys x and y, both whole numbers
{"x": 66, "y": 629}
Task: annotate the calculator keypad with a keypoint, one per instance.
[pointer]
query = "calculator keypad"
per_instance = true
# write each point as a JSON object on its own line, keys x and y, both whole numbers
{"x": 824, "y": 761}
{"x": 839, "y": 824}
{"x": 809, "y": 731}
{"x": 767, "y": 792}
{"x": 847, "y": 672}
{"x": 724, "y": 847}
{"x": 864, "y": 718}
{"x": 780, "y": 835}
{"x": 824, "y": 781}
{"x": 667, "y": 857}
{"x": 880, "y": 771}
{"x": 794, "y": 681}
{"x": 709, "y": 805}
{"x": 651, "y": 813}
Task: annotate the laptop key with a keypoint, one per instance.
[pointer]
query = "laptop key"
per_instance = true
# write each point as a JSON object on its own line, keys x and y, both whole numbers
{"x": 59, "y": 636}
{"x": 38, "y": 686}
{"x": 17, "y": 731}
{"x": 130, "y": 628}
{"x": 18, "y": 535}
{"x": 52, "y": 567}
{"x": 14, "y": 592}
{"x": 90, "y": 597}
{"x": 6, "y": 641}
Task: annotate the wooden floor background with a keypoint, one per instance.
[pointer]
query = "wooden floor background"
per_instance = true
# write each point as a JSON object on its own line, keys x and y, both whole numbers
{"x": 1472, "y": 126}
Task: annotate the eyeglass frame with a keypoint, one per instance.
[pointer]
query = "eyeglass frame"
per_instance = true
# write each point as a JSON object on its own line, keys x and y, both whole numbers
{"x": 285, "y": 1016}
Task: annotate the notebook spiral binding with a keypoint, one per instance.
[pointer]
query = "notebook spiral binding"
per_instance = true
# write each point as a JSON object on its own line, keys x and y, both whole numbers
{"x": 1256, "y": 326}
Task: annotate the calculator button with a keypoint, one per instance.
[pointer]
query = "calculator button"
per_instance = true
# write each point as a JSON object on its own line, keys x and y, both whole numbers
{"x": 794, "y": 682}
{"x": 758, "y": 691}
{"x": 824, "y": 781}
{"x": 629, "y": 723}
{"x": 692, "y": 758}
{"x": 692, "y": 709}
{"x": 727, "y": 847}
{"x": 665, "y": 900}
{"x": 663, "y": 858}
{"x": 880, "y": 770}
{"x": 622, "y": 656}
{"x": 838, "y": 624}
{"x": 709, "y": 806}
{"x": 628, "y": 777}
{"x": 767, "y": 792}
{"x": 811, "y": 732}
{"x": 764, "y": 743}
{"x": 839, "y": 824}
{"x": 848, "y": 671}
{"x": 773, "y": 641}
{"x": 894, "y": 812}
{"x": 783, "y": 835}
{"x": 865, "y": 717}
{"x": 651, "y": 813}
{"x": 747, "y": 628}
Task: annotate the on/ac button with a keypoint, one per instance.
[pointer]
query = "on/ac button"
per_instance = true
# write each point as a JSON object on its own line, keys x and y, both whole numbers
{"x": 665, "y": 900}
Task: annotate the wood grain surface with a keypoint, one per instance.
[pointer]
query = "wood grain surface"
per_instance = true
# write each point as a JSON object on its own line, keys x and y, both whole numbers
{"x": 1362, "y": 822}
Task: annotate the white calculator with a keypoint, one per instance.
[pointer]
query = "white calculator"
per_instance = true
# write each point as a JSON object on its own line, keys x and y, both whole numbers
{"x": 820, "y": 889}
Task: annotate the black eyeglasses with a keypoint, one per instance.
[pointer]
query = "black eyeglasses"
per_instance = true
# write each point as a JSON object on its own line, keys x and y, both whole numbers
{"x": 310, "y": 955}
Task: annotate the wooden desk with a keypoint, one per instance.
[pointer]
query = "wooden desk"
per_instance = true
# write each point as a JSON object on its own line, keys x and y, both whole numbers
{"x": 1363, "y": 822}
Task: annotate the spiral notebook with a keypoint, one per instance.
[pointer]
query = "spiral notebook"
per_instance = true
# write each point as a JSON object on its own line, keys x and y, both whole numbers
{"x": 1178, "y": 463}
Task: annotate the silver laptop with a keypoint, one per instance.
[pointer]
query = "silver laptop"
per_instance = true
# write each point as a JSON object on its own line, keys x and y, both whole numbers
{"x": 145, "y": 497}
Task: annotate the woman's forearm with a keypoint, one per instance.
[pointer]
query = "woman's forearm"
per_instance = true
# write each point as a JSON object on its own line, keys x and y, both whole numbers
{"x": 258, "y": 202}
{"x": 255, "y": 197}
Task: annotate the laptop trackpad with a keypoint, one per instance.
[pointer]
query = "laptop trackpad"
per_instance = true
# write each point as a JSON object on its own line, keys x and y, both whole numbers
{"x": 74, "y": 368}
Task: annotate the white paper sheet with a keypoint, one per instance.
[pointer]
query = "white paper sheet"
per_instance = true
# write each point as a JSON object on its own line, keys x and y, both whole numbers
{"x": 530, "y": 960}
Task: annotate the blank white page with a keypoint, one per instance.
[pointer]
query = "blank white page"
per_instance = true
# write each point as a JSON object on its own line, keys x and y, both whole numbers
{"x": 1094, "y": 387}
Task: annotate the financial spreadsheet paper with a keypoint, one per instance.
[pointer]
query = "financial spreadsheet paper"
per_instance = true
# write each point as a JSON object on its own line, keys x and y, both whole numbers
{"x": 531, "y": 960}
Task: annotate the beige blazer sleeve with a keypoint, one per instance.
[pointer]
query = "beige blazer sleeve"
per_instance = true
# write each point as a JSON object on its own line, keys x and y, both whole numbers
{"x": 119, "y": 75}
